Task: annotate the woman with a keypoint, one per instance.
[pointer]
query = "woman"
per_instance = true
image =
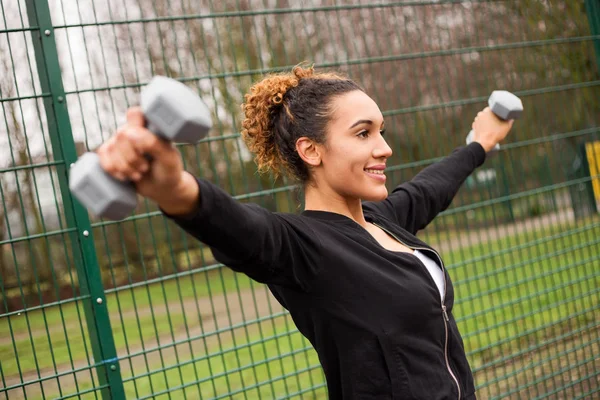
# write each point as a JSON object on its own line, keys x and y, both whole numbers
{"x": 374, "y": 301}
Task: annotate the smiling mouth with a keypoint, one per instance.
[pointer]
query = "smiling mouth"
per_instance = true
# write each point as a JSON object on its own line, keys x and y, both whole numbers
{"x": 375, "y": 171}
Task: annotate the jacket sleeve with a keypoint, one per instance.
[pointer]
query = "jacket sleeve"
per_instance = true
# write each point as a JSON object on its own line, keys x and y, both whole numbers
{"x": 269, "y": 247}
{"x": 414, "y": 204}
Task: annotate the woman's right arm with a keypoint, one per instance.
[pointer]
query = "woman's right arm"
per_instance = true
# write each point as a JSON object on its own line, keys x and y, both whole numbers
{"x": 268, "y": 247}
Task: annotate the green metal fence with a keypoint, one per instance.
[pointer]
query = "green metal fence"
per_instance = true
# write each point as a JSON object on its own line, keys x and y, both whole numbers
{"x": 135, "y": 309}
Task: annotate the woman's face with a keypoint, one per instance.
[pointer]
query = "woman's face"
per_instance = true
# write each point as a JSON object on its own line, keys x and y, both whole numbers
{"x": 355, "y": 152}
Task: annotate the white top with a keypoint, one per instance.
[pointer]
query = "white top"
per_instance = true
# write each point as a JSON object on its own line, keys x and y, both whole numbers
{"x": 433, "y": 269}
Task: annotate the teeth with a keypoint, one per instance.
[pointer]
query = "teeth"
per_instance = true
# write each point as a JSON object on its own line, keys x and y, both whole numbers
{"x": 375, "y": 171}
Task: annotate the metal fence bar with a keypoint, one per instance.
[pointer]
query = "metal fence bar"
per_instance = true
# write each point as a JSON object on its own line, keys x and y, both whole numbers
{"x": 63, "y": 146}
{"x": 280, "y": 11}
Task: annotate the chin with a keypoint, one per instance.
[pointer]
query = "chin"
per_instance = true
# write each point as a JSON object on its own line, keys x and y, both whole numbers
{"x": 378, "y": 195}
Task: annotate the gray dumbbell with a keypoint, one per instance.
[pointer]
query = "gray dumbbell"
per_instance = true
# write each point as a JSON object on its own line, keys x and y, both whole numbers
{"x": 172, "y": 111}
{"x": 505, "y": 106}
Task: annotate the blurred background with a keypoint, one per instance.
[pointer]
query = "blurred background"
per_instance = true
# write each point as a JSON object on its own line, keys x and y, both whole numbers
{"x": 94, "y": 308}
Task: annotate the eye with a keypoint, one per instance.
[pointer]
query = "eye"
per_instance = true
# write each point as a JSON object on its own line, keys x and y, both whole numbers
{"x": 363, "y": 134}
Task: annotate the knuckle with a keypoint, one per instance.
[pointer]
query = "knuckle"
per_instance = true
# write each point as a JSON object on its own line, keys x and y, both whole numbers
{"x": 130, "y": 157}
{"x": 106, "y": 164}
{"x": 153, "y": 142}
{"x": 131, "y": 133}
{"x": 109, "y": 146}
{"x": 141, "y": 136}
{"x": 127, "y": 170}
{"x": 120, "y": 130}
{"x": 122, "y": 134}
{"x": 134, "y": 113}
{"x": 116, "y": 143}
{"x": 118, "y": 165}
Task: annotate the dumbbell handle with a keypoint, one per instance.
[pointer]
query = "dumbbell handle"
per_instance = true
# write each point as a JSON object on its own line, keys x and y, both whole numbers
{"x": 505, "y": 106}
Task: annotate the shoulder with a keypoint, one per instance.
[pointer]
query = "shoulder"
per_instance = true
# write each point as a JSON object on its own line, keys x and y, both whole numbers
{"x": 302, "y": 225}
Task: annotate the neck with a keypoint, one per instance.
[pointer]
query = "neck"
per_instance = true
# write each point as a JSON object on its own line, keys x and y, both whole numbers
{"x": 327, "y": 200}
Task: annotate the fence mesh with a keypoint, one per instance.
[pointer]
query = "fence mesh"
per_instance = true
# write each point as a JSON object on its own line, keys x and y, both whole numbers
{"x": 94, "y": 308}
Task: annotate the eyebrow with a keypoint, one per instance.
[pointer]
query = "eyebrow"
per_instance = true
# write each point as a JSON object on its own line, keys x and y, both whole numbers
{"x": 365, "y": 121}
{"x": 361, "y": 121}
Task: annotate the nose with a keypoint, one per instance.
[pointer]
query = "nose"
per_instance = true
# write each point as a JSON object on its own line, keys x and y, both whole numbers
{"x": 382, "y": 150}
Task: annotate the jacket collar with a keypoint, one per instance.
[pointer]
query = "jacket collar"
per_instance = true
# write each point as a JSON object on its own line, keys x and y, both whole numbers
{"x": 326, "y": 215}
{"x": 405, "y": 236}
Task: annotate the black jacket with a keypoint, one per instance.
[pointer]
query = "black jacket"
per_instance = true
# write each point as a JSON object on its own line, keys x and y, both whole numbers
{"x": 374, "y": 316}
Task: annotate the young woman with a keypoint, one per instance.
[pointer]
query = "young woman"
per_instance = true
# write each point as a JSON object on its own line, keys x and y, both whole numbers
{"x": 374, "y": 301}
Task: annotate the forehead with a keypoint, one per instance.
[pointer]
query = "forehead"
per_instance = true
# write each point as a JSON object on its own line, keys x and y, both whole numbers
{"x": 353, "y": 106}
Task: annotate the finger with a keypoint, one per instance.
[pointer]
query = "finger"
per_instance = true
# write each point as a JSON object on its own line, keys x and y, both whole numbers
{"x": 133, "y": 162}
{"x": 138, "y": 158}
{"x": 145, "y": 142}
{"x": 106, "y": 155}
{"x": 125, "y": 171}
{"x": 135, "y": 116}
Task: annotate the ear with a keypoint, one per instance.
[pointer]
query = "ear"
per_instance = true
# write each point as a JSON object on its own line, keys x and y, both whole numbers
{"x": 308, "y": 151}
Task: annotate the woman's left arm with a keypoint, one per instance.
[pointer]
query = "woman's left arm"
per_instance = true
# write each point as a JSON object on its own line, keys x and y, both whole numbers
{"x": 414, "y": 204}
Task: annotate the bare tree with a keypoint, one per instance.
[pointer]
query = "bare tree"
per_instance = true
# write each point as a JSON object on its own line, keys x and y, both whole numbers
{"x": 24, "y": 188}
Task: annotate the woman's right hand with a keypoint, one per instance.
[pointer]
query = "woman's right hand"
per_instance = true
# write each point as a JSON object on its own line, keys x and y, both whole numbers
{"x": 490, "y": 130}
{"x": 163, "y": 180}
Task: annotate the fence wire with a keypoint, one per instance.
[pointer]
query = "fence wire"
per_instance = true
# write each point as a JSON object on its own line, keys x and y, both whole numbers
{"x": 93, "y": 308}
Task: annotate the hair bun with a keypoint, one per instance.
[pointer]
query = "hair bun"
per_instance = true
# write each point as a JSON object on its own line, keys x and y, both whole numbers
{"x": 301, "y": 72}
{"x": 284, "y": 82}
{"x": 265, "y": 97}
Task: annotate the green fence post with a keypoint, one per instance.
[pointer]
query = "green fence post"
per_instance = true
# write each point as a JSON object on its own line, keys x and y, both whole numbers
{"x": 592, "y": 8}
{"x": 84, "y": 253}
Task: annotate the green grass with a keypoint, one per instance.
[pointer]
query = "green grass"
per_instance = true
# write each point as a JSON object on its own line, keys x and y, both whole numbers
{"x": 232, "y": 371}
{"x": 171, "y": 290}
{"x": 53, "y": 344}
{"x": 510, "y": 293}
{"x": 270, "y": 365}
{"x": 522, "y": 288}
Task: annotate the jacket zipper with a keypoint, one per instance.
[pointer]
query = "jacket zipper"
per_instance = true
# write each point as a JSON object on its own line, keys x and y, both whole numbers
{"x": 445, "y": 317}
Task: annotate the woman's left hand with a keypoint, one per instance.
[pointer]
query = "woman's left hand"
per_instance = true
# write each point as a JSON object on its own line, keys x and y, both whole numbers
{"x": 489, "y": 130}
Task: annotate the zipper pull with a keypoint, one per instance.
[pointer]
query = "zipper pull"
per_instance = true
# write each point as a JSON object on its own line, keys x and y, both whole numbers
{"x": 445, "y": 313}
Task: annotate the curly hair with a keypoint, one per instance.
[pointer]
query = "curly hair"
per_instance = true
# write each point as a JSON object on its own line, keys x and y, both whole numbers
{"x": 282, "y": 108}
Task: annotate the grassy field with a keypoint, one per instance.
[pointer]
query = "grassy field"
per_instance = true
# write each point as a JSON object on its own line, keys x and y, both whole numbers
{"x": 136, "y": 314}
{"x": 536, "y": 291}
